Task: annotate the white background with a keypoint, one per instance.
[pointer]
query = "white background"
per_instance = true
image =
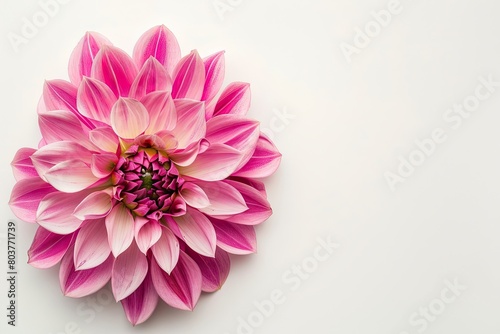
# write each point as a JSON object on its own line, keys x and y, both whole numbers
{"x": 351, "y": 123}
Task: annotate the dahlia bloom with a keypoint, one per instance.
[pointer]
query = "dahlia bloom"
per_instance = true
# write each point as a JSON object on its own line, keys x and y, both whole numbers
{"x": 145, "y": 175}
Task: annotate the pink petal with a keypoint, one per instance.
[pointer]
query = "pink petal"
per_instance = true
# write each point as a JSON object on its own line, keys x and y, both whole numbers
{"x": 81, "y": 283}
{"x": 264, "y": 161}
{"x": 96, "y": 205}
{"x": 120, "y": 227}
{"x": 235, "y": 99}
{"x": 182, "y": 288}
{"x": 141, "y": 303}
{"x": 80, "y": 62}
{"x": 95, "y": 100}
{"x": 259, "y": 208}
{"x": 186, "y": 156}
{"x": 166, "y": 250}
{"x": 194, "y": 195}
{"x": 147, "y": 234}
{"x": 152, "y": 77}
{"x": 259, "y": 185}
{"x": 115, "y": 68}
{"x": 55, "y": 212}
{"x": 48, "y": 248}
{"x": 26, "y": 197}
{"x": 105, "y": 139}
{"x": 214, "y": 73}
{"x": 189, "y": 77}
{"x": 129, "y": 118}
{"x": 102, "y": 165}
{"x": 196, "y": 230}
{"x": 71, "y": 176}
{"x": 162, "y": 113}
{"x": 214, "y": 271}
{"x": 224, "y": 199}
{"x": 129, "y": 270}
{"x": 235, "y": 238}
{"x": 61, "y": 95}
{"x": 191, "y": 125}
{"x": 216, "y": 163}
{"x": 160, "y": 43}
{"x": 91, "y": 246}
{"x": 22, "y": 167}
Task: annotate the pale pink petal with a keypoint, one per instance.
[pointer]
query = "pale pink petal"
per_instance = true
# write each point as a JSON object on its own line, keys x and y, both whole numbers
{"x": 129, "y": 118}
{"x": 129, "y": 270}
{"x": 120, "y": 227}
{"x": 26, "y": 197}
{"x": 71, "y": 176}
{"x": 150, "y": 141}
{"x": 91, "y": 246}
{"x": 115, "y": 68}
{"x": 166, "y": 250}
{"x": 235, "y": 238}
{"x": 214, "y": 270}
{"x": 105, "y": 139}
{"x": 102, "y": 165}
{"x": 55, "y": 212}
{"x": 224, "y": 199}
{"x": 95, "y": 100}
{"x": 214, "y": 73}
{"x": 96, "y": 205}
{"x": 48, "y": 248}
{"x": 22, "y": 167}
{"x": 235, "y": 99}
{"x": 160, "y": 43}
{"x": 81, "y": 283}
{"x": 141, "y": 303}
{"x": 61, "y": 95}
{"x": 194, "y": 195}
{"x": 189, "y": 77}
{"x": 264, "y": 161}
{"x": 147, "y": 234}
{"x": 80, "y": 62}
{"x": 259, "y": 208}
{"x": 186, "y": 156}
{"x": 182, "y": 288}
{"x": 151, "y": 78}
{"x": 162, "y": 113}
{"x": 216, "y": 163}
{"x": 196, "y": 230}
{"x": 191, "y": 125}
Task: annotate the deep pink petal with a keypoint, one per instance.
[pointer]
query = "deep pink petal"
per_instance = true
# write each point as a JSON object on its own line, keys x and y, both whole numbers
{"x": 186, "y": 156}
{"x": 160, "y": 43}
{"x": 105, "y": 139}
{"x": 71, "y": 176}
{"x": 259, "y": 185}
{"x": 141, "y": 303}
{"x": 96, "y": 205}
{"x": 120, "y": 227}
{"x": 129, "y": 118}
{"x": 102, "y": 165}
{"x": 214, "y": 270}
{"x": 214, "y": 73}
{"x": 216, "y": 163}
{"x": 115, "y": 68}
{"x": 151, "y": 78}
{"x": 91, "y": 246}
{"x": 194, "y": 195}
{"x": 80, "y": 62}
{"x": 148, "y": 234}
{"x": 81, "y": 283}
{"x": 129, "y": 270}
{"x": 235, "y": 99}
{"x": 95, "y": 100}
{"x": 22, "y": 166}
{"x": 48, "y": 248}
{"x": 162, "y": 113}
{"x": 26, "y": 196}
{"x": 235, "y": 238}
{"x": 259, "y": 208}
{"x": 166, "y": 250}
{"x": 264, "y": 161}
{"x": 224, "y": 199}
{"x": 191, "y": 125}
{"x": 189, "y": 77}
{"x": 197, "y": 231}
{"x": 182, "y": 288}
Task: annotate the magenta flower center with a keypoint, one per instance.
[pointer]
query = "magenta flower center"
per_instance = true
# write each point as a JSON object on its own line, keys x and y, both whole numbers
{"x": 147, "y": 183}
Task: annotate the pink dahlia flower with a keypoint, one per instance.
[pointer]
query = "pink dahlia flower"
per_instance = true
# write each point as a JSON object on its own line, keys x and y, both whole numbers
{"x": 145, "y": 176}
